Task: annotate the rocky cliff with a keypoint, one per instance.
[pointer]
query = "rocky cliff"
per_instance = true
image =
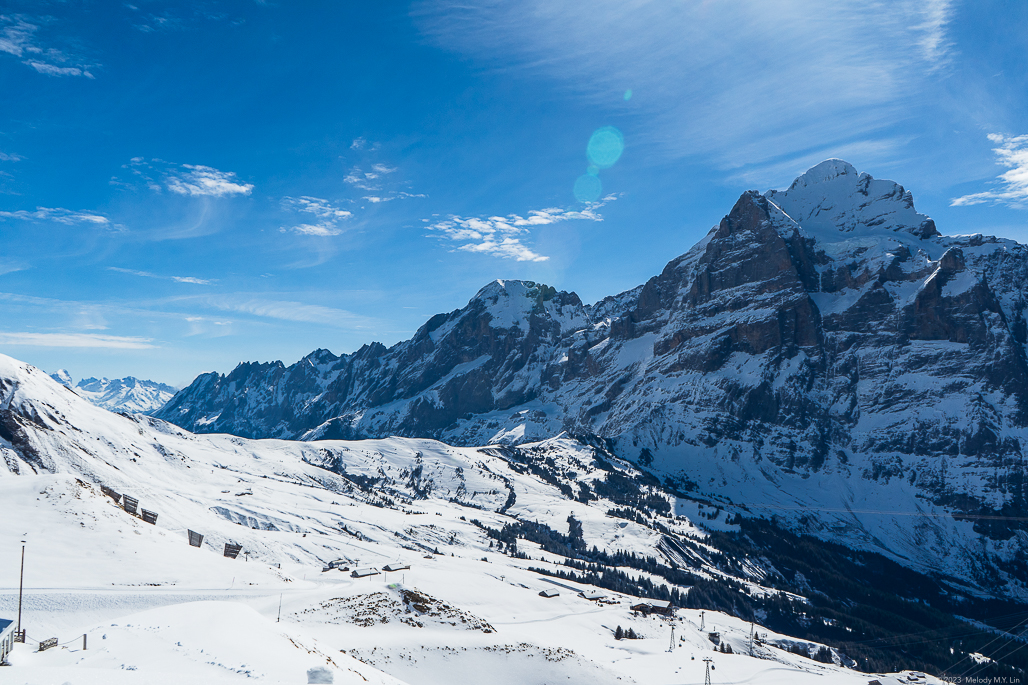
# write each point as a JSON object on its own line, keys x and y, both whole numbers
{"x": 824, "y": 356}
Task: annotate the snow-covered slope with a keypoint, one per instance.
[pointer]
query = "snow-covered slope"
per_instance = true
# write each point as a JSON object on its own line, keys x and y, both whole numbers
{"x": 155, "y": 610}
{"x": 127, "y": 394}
{"x": 823, "y": 349}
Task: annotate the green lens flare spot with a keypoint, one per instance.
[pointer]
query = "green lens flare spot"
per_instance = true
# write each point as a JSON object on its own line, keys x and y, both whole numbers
{"x": 605, "y": 147}
{"x": 592, "y": 170}
{"x": 628, "y": 94}
{"x": 588, "y": 188}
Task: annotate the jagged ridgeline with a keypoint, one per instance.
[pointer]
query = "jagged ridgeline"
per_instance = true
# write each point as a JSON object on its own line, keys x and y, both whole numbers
{"x": 823, "y": 355}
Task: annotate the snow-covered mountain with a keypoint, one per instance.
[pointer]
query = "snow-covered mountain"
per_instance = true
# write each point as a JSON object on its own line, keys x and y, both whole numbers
{"x": 823, "y": 355}
{"x": 121, "y": 394}
{"x": 477, "y": 534}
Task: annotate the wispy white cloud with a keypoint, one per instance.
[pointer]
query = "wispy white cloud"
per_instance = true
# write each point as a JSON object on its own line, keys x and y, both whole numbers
{"x": 8, "y": 157}
{"x": 89, "y": 340}
{"x": 54, "y": 70}
{"x": 501, "y": 236}
{"x": 19, "y": 37}
{"x": 361, "y": 179}
{"x": 204, "y": 180}
{"x": 1012, "y": 185}
{"x": 376, "y": 199}
{"x": 323, "y": 209}
{"x": 57, "y": 215}
{"x": 194, "y": 180}
{"x": 329, "y": 215}
{"x": 11, "y": 267}
{"x": 288, "y": 310}
{"x": 738, "y": 83}
{"x": 177, "y": 279}
{"x": 322, "y": 230}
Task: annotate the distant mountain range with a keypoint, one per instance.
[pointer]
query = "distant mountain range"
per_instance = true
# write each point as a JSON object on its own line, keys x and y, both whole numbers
{"x": 824, "y": 356}
{"x": 128, "y": 394}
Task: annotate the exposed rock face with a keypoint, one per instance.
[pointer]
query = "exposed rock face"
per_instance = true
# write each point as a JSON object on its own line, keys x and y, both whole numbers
{"x": 823, "y": 355}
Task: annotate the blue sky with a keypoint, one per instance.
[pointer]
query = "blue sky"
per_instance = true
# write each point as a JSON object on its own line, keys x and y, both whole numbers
{"x": 184, "y": 186}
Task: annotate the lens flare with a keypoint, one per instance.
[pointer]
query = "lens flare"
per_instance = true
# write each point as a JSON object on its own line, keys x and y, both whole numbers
{"x": 605, "y": 147}
{"x": 592, "y": 170}
{"x": 588, "y": 188}
{"x": 628, "y": 94}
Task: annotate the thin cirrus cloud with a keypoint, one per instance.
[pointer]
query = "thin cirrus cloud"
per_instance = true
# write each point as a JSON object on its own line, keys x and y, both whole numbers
{"x": 376, "y": 199}
{"x": 501, "y": 236}
{"x": 177, "y": 279}
{"x": 57, "y": 215}
{"x": 288, "y": 310}
{"x": 328, "y": 216}
{"x": 19, "y": 37}
{"x": 84, "y": 340}
{"x": 1012, "y": 185}
{"x": 735, "y": 82}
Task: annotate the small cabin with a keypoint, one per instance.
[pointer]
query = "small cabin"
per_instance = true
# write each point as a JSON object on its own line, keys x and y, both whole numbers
{"x": 548, "y": 593}
{"x": 592, "y": 596}
{"x": 364, "y": 572}
{"x": 7, "y": 630}
{"x": 653, "y": 606}
{"x": 390, "y": 568}
{"x": 339, "y": 564}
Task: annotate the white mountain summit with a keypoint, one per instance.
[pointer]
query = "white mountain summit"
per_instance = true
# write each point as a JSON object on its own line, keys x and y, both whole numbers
{"x": 127, "y": 394}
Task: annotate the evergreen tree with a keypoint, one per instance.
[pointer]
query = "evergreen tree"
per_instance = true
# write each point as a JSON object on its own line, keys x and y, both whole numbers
{"x": 619, "y": 634}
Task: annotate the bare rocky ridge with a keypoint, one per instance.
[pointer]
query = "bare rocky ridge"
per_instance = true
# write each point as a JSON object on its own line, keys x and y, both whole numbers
{"x": 823, "y": 355}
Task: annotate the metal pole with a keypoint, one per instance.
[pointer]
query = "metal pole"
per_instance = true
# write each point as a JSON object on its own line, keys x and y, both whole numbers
{"x": 706, "y": 679}
{"x": 83, "y": 642}
{"x": 279, "y": 609}
{"x": 21, "y": 583}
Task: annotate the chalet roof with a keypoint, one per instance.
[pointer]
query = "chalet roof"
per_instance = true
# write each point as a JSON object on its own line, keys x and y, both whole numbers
{"x": 362, "y": 572}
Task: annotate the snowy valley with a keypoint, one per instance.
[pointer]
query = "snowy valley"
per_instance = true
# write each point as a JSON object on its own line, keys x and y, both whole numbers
{"x": 476, "y": 534}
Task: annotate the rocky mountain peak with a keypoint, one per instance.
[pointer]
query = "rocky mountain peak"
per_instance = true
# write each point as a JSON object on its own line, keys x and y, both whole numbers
{"x": 63, "y": 377}
{"x": 833, "y": 197}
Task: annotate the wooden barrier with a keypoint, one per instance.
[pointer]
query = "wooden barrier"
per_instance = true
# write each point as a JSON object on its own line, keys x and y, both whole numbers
{"x": 232, "y": 551}
{"x": 149, "y": 516}
{"x": 195, "y": 539}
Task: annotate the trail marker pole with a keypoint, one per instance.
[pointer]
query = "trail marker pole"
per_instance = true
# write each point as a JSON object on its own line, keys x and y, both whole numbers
{"x": 83, "y": 642}
{"x": 21, "y": 584}
{"x": 279, "y": 609}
